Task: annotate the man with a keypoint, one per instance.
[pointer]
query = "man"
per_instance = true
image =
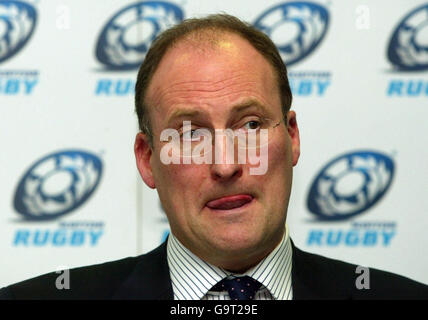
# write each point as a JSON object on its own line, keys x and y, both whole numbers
{"x": 228, "y": 233}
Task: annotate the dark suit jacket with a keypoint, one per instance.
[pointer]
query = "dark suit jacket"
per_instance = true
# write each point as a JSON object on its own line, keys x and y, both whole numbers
{"x": 147, "y": 277}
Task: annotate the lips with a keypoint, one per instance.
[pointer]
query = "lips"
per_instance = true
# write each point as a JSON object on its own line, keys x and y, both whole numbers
{"x": 229, "y": 202}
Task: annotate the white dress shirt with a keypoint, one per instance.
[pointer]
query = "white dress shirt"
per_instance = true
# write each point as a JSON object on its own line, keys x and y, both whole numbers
{"x": 192, "y": 278}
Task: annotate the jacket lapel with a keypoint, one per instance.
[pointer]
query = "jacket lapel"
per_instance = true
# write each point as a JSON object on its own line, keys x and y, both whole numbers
{"x": 301, "y": 290}
{"x": 150, "y": 278}
{"x": 318, "y": 278}
{"x": 312, "y": 277}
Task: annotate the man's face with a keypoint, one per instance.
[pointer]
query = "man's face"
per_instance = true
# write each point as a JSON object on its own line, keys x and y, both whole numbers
{"x": 216, "y": 86}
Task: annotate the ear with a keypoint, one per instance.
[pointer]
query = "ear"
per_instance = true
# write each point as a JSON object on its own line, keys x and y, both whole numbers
{"x": 293, "y": 131}
{"x": 143, "y": 154}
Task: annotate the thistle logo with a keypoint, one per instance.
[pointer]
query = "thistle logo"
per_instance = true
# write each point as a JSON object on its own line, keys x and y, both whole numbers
{"x": 121, "y": 46}
{"x": 296, "y": 28}
{"x": 17, "y": 22}
{"x": 350, "y": 184}
{"x": 408, "y": 47}
{"x": 57, "y": 184}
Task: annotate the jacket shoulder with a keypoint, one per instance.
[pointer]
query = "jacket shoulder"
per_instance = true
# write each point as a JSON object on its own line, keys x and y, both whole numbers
{"x": 90, "y": 282}
{"x": 100, "y": 281}
{"x": 326, "y": 278}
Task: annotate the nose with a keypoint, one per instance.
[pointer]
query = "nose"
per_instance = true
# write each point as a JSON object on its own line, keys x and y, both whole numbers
{"x": 225, "y": 172}
{"x": 225, "y": 165}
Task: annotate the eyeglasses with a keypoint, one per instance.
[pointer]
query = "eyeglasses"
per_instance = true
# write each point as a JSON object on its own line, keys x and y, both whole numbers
{"x": 252, "y": 133}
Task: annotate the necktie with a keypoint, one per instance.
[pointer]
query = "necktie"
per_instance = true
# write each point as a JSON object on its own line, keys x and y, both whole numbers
{"x": 242, "y": 288}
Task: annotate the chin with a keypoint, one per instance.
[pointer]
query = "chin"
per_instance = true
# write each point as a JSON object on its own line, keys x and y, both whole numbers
{"x": 236, "y": 255}
{"x": 234, "y": 243}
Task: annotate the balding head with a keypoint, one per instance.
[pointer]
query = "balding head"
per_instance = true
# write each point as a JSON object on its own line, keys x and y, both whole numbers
{"x": 205, "y": 34}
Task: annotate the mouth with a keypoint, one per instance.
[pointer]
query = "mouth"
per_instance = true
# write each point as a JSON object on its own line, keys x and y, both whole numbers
{"x": 230, "y": 202}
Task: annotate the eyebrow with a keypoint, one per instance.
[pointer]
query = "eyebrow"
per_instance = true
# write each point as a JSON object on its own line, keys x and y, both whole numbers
{"x": 236, "y": 109}
{"x": 183, "y": 113}
{"x": 248, "y": 104}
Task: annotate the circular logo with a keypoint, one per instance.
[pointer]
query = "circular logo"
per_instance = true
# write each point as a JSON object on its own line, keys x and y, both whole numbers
{"x": 350, "y": 184}
{"x": 296, "y": 28}
{"x": 408, "y": 48}
{"x": 127, "y": 37}
{"x": 57, "y": 184}
{"x": 17, "y": 22}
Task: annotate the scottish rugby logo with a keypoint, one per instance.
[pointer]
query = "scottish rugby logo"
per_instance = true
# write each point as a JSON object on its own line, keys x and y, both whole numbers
{"x": 57, "y": 184}
{"x": 408, "y": 48}
{"x": 296, "y": 28}
{"x": 119, "y": 46}
{"x": 17, "y": 22}
{"x": 350, "y": 184}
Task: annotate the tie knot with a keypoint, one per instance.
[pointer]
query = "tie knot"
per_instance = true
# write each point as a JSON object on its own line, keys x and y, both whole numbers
{"x": 241, "y": 288}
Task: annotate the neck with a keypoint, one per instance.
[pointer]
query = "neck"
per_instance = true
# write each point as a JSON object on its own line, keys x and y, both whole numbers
{"x": 239, "y": 260}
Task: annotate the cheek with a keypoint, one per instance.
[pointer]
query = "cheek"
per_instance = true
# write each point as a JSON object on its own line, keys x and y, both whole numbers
{"x": 180, "y": 184}
{"x": 280, "y": 152}
{"x": 280, "y": 165}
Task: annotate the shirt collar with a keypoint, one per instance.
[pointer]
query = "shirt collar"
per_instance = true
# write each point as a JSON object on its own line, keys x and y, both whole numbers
{"x": 192, "y": 277}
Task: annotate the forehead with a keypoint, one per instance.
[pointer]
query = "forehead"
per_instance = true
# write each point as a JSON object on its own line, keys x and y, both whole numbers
{"x": 212, "y": 74}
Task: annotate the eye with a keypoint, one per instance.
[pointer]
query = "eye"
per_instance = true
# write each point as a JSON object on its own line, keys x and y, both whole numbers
{"x": 187, "y": 135}
{"x": 252, "y": 125}
{"x": 191, "y": 135}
